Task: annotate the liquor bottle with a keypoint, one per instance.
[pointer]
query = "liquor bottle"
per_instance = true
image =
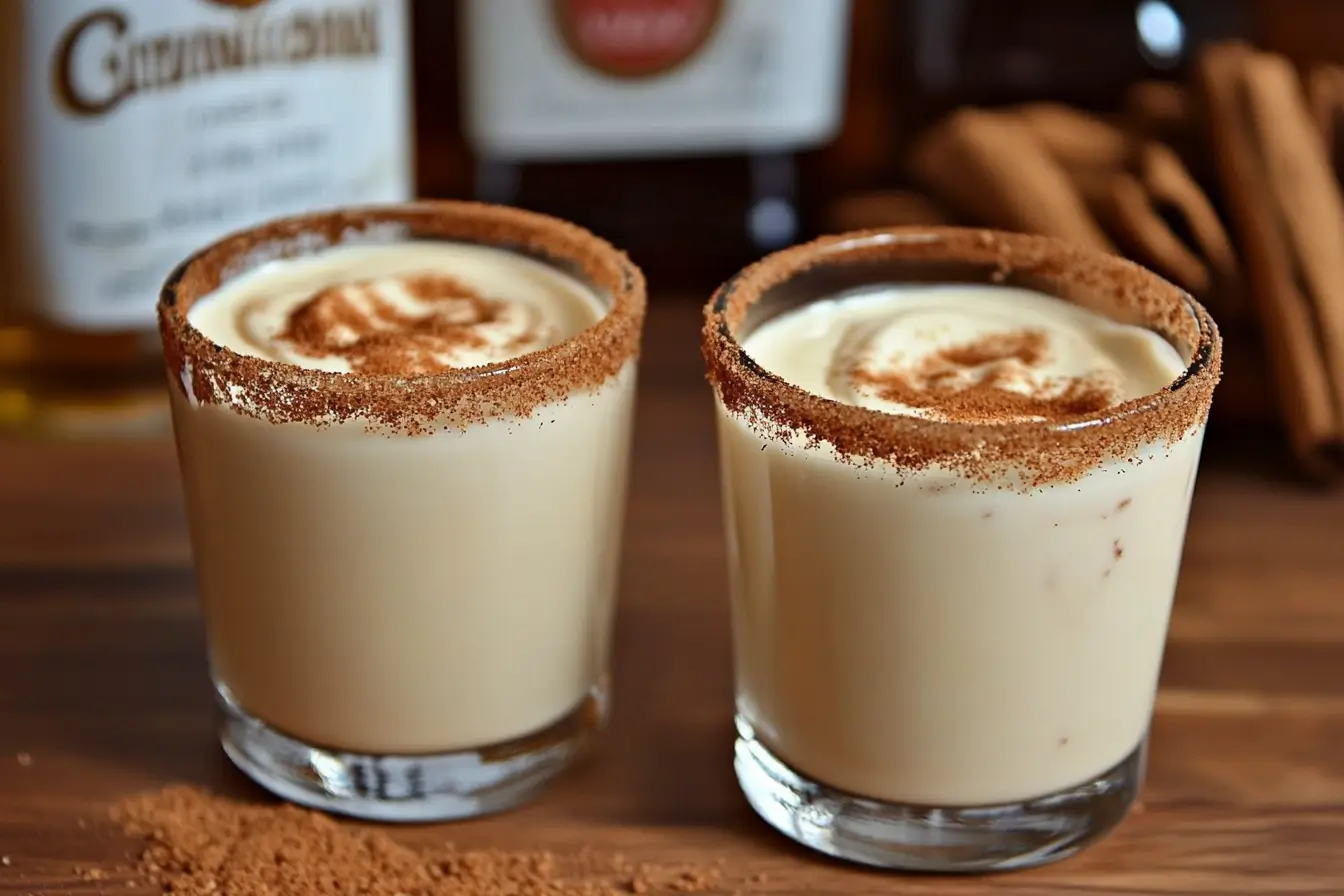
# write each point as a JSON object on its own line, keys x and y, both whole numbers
{"x": 671, "y": 126}
{"x": 136, "y": 131}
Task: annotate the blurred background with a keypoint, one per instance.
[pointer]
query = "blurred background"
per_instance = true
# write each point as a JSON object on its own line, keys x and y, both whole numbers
{"x": 1202, "y": 138}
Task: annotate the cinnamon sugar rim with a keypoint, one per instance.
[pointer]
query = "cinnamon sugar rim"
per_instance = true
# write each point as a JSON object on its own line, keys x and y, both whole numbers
{"x": 1045, "y": 450}
{"x": 207, "y": 372}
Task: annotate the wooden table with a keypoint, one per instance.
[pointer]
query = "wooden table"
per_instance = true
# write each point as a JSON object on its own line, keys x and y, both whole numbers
{"x": 102, "y": 678}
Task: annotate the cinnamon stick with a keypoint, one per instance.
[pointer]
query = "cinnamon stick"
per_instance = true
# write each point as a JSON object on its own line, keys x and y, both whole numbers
{"x": 1124, "y": 205}
{"x": 1175, "y": 194}
{"x": 1306, "y": 195}
{"x": 995, "y": 170}
{"x": 1127, "y": 209}
{"x": 1078, "y": 140}
{"x": 1095, "y": 153}
{"x": 1163, "y": 112}
{"x": 1296, "y": 360}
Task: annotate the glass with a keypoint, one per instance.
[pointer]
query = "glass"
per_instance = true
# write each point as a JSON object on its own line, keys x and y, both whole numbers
{"x": 408, "y": 580}
{"x": 947, "y": 636}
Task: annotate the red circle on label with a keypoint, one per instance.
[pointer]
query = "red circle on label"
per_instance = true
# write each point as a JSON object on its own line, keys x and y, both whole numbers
{"x": 636, "y": 38}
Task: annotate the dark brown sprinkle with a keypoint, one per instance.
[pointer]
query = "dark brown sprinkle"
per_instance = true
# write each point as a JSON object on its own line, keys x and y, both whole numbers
{"x": 375, "y": 336}
{"x": 936, "y": 383}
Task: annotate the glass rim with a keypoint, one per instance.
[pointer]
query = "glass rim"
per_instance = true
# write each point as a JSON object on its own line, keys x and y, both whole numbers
{"x": 874, "y": 434}
{"x": 207, "y": 372}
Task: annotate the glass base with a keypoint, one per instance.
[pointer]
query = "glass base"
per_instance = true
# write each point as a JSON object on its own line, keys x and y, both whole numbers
{"x": 927, "y": 838}
{"x": 417, "y": 788}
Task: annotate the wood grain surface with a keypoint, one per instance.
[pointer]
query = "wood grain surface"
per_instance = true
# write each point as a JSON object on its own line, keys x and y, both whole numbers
{"x": 103, "y": 682}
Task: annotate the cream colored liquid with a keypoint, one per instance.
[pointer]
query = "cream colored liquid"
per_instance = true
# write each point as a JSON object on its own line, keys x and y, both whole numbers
{"x": 915, "y": 637}
{"x": 539, "y": 306}
{"x": 385, "y": 593}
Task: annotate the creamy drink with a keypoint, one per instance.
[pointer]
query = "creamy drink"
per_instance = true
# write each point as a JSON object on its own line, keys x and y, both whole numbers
{"x": 955, "y": 505}
{"x": 404, "y": 436}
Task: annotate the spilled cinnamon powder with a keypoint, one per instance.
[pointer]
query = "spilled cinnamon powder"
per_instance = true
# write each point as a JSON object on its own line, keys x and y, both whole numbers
{"x": 940, "y": 381}
{"x": 197, "y": 844}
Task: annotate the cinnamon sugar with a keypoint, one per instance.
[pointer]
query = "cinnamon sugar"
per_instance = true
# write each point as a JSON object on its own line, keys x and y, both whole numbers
{"x": 1076, "y": 436}
{"x": 986, "y": 401}
{"x": 376, "y": 394}
{"x": 203, "y": 845}
{"x": 938, "y": 382}
{"x": 353, "y": 321}
{"x": 1027, "y": 347}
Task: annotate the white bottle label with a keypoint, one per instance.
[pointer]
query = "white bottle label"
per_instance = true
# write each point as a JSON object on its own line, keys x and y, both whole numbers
{"x": 591, "y": 78}
{"x": 154, "y": 127}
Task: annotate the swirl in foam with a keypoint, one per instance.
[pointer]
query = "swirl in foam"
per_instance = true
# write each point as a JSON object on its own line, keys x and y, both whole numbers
{"x": 964, "y": 353}
{"x": 403, "y": 309}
